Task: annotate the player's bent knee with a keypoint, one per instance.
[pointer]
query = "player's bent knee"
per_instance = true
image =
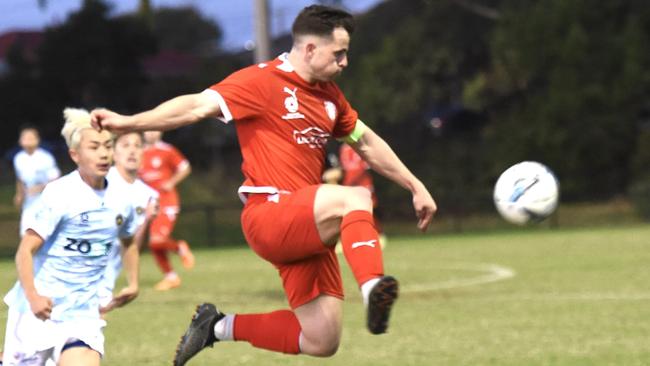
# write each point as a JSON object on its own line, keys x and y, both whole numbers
{"x": 326, "y": 348}
{"x": 358, "y": 198}
{"x": 337, "y": 201}
{"x": 331, "y": 351}
{"x": 322, "y": 342}
{"x": 361, "y": 193}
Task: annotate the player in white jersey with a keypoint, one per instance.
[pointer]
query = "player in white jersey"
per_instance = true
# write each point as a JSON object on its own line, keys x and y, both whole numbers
{"x": 34, "y": 168}
{"x": 54, "y": 310}
{"x": 124, "y": 176}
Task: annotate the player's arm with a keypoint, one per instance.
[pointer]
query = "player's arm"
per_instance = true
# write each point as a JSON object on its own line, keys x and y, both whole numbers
{"x": 131, "y": 262}
{"x": 41, "y": 306}
{"x": 19, "y": 196}
{"x": 142, "y": 234}
{"x": 183, "y": 171}
{"x": 177, "y": 112}
{"x": 382, "y": 159}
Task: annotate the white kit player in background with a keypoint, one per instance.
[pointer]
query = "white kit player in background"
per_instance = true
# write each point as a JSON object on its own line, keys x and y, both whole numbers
{"x": 54, "y": 307}
{"x": 124, "y": 177}
{"x": 34, "y": 168}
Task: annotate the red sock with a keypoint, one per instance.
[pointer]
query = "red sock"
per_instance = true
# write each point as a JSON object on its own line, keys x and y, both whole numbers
{"x": 160, "y": 256}
{"x": 277, "y": 331}
{"x": 361, "y": 246}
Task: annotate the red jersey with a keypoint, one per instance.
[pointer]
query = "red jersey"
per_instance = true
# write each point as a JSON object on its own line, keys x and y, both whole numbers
{"x": 355, "y": 169}
{"x": 159, "y": 163}
{"x": 283, "y": 124}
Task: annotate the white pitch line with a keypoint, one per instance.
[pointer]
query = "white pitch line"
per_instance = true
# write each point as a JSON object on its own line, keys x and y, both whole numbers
{"x": 581, "y": 296}
{"x": 491, "y": 273}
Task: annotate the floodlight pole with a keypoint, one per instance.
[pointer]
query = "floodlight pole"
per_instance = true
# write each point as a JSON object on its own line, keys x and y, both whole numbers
{"x": 262, "y": 38}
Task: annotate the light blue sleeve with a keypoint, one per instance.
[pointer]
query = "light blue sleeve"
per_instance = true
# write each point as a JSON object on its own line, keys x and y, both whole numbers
{"x": 47, "y": 214}
{"x": 130, "y": 225}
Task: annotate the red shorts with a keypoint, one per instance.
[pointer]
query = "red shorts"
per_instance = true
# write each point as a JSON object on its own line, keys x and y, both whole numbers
{"x": 285, "y": 234}
{"x": 163, "y": 224}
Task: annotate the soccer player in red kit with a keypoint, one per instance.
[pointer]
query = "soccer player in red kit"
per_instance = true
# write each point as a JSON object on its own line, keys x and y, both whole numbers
{"x": 355, "y": 170}
{"x": 284, "y": 111}
{"x": 163, "y": 168}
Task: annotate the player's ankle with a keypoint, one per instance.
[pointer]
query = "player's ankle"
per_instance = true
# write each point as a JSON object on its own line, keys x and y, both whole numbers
{"x": 224, "y": 328}
{"x": 366, "y": 287}
{"x": 171, "y": 275}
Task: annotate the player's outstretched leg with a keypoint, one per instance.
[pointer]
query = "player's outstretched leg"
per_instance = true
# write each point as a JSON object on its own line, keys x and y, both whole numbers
{"x": 380, "y": 302}
{"x": 187, "y": 257}
{"x": 361, "y": 247}
{"x": 200, "y": 333}
{"x": 362, "y": 251}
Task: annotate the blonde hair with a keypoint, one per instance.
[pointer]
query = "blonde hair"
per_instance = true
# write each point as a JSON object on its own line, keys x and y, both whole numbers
{"x": 76, "y": 120}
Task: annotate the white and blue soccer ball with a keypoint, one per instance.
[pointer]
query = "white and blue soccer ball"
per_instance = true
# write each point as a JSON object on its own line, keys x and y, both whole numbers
{"x": 526, "y": 192}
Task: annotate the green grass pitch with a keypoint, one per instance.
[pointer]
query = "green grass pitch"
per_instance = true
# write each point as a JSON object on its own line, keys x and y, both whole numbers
{"x": 523, "y": 297}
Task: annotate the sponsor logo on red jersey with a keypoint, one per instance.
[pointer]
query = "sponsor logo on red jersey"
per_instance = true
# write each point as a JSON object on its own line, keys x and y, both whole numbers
{"x": 314, "y": 137}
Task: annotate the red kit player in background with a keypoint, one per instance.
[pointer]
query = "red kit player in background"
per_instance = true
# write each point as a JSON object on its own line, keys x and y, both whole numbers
{"x": 355, "y": 169}
{"x": 284, "y": 111}
{"x": 163, "y": 168}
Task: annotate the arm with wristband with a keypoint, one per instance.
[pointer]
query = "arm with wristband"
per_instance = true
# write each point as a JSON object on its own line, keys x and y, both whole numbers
{"x": 382, "y": 159}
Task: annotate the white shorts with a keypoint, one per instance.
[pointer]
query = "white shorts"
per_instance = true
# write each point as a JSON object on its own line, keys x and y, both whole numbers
{"x": 30, "y": 341}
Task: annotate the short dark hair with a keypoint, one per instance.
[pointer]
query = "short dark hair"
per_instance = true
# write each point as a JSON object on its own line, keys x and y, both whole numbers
{"x": 139, "y": 133}
{"x": 28, "y": 126}
{"x": 320, "y": 20}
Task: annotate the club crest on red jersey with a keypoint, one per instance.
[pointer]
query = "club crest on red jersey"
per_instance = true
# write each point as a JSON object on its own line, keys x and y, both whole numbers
{"x": 330, "y": 108}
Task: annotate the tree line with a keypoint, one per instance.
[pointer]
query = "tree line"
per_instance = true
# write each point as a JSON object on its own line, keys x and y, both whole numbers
{"x": 461, "y": 89}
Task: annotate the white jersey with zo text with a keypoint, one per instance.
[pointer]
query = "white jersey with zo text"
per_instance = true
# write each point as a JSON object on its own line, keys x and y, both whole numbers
{"x": 79, "y": 226}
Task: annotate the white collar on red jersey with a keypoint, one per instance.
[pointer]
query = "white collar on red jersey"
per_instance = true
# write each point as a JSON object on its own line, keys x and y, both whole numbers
{"x": 285, "y": 66}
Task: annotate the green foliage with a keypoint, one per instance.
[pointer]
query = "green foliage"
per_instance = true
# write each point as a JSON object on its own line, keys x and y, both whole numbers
{"x": 562, "y": 82}
{"x": 93, "y": 59}
{"x": 185, "y": 29}
{"x": 421, "y": 62}
{"x": 101, "y": 68}
{"x": 566, "y": 68}
{"x": 413, "y": 58}
{"x": 89, "y": 60}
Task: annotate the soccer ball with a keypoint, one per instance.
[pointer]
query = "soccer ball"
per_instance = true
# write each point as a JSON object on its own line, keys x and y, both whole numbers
{"x": 526, "y": 192}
